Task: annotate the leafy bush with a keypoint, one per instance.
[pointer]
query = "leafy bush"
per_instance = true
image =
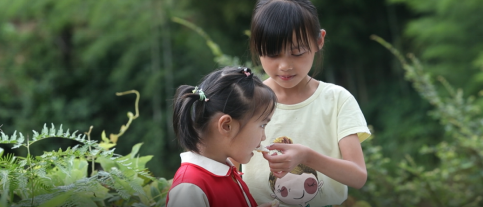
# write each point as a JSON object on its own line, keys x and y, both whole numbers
{"x": 60, "y": 178}
{"x": 456, "y": 180}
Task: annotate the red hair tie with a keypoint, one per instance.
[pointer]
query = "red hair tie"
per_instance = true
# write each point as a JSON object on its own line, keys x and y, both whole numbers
{"x": 247, "y": 73}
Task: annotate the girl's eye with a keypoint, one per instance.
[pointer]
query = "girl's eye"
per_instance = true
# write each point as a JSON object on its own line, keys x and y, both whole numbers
{"x": 298, "y": 54}
{"x": 263, "y": 125}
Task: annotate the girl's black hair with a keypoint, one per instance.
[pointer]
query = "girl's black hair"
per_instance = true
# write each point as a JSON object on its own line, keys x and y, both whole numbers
{"x": 231, "y": 90}
{"x": 275, "y": 22}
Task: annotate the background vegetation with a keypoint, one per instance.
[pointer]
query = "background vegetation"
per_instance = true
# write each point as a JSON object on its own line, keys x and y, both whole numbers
{"x": 62, "y": 62}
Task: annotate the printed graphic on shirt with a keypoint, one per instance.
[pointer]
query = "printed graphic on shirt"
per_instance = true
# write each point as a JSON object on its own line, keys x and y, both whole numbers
{"x": 297, "y": 187}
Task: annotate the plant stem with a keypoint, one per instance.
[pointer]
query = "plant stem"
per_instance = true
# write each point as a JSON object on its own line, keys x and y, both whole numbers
{"x": 90, "y": 149}
{"x": 30, "y": 170}
{"x": 130, "y": 115}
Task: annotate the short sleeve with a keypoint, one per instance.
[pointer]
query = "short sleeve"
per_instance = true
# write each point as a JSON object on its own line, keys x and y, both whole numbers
{"x": 187, "y": 194}
{"x": 350, "y": 120}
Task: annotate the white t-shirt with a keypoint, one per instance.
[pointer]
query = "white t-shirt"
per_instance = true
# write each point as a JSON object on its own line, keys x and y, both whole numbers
{"x": 319, "y": 122}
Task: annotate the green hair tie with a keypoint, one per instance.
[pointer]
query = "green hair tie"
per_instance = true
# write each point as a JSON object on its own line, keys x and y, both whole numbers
{"x": 201, "y": 93}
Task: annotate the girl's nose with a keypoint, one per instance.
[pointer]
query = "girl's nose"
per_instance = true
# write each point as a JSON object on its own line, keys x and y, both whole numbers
{"x": 285, "y": 65}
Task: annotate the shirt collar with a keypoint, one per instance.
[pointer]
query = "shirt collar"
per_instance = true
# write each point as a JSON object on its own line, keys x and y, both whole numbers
{"x": 208, "y": 164}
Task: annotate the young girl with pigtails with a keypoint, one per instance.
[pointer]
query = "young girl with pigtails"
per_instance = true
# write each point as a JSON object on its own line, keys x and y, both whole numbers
{"x": 224, "y": 116}
{"x": 323, "y": 121}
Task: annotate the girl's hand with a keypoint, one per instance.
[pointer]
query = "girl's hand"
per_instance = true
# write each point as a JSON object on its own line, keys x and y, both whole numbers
{"x": 292, "y": 155}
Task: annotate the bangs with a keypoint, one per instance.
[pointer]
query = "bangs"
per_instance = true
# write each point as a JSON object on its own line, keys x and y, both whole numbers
{"x": 274, "y": 27}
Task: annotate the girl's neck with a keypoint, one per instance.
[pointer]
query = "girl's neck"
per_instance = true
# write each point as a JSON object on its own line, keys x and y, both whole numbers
{"x": 212, "y": 153}
{"x": 294, "y": 95}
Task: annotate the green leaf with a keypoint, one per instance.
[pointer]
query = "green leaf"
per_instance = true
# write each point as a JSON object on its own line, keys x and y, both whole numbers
{"x": 58, "y": 200}
{"x": 163, "y": 183}
{"x": 135, "y": 150}
{"x": 97, "y": 191}
{"x": 155, "y": 193}
{"x": 103, "y": 135}
{"x": 106, "y": 145}
{"x": 106, "y": 163}
{"x": 141, "y": 161}
{"x": 79, "y": 170}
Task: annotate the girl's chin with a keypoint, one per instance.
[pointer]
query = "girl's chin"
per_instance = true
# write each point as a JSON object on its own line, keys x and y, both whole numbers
{"x": 286, "y": 84}
{"x": 248, "y": 158}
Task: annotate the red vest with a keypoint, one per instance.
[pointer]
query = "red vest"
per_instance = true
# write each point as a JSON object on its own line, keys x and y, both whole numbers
{"x": 221, "y": 191}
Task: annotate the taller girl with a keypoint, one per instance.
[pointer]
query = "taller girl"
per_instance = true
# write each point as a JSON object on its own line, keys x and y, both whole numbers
{"x": 323, "y": 120}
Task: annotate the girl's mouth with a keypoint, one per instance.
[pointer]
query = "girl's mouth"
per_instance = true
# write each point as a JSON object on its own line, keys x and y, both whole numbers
{"x": 286, "y": 77}
{"x": 261, "y": 148}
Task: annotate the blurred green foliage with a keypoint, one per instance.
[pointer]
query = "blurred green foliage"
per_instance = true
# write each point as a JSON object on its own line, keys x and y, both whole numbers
{"x": 446, "y": 35}
{"x": 455, "y": 180}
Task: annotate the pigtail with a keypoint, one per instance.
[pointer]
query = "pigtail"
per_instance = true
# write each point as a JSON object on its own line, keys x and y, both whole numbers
{"x": 183, "y": 122}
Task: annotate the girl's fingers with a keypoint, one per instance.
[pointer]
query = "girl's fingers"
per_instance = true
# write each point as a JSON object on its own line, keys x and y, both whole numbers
{"x": 277, "y": 146}
{"x": 274, "y": 157}
{"x": 279, "y": 174}
{"x": 276, "y": 167}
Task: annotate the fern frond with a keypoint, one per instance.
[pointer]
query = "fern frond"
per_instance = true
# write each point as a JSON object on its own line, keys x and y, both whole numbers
{"x": 60, "y": 132}
{"x": 14, "y": 136}
{"x": 4, "y": 137}
{"x": 13, "y": 139}
{"x": 35, "y": 136}
{"x": 83, "y": 149}
{"x": 8, "y": 161}
{"x": 145, "y": 173}
{"x": 66, "y": 134}
{"x": 18, "y": 182}
{"x": 123, "y": 162}
{"x": 4, "y": 180}
{"x": 22, "y": 163}
{"x": 94, "y": 152}
{"x": 110, "y": 180}
{"x": 44, "y": 177}
{"x": 138, "y": 188}
{"x": 72, "y": 136}
{"x": 40, "y": 186}
{"x": 21, "y": 139}
{"x": 45, "y": 131}
{"x": 52, "y": 131}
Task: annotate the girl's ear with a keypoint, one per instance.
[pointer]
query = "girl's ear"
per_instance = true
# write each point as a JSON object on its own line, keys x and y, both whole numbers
{"x": 320, "y": 41}
{"x": 225, "y": 125}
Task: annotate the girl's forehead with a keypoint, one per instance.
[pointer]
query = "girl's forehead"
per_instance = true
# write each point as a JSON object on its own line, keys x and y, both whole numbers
{"x": 262, "y": 115}
{"x": 298, "y": 40}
